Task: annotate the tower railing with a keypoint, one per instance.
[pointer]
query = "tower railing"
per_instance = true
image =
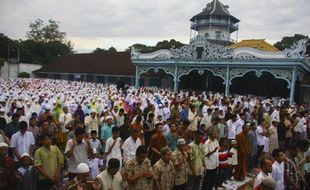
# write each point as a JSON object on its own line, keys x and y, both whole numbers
{"x": 214, "y": 22}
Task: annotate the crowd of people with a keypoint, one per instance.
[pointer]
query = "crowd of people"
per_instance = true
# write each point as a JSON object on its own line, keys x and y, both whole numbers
{"x": 57, "y": 134}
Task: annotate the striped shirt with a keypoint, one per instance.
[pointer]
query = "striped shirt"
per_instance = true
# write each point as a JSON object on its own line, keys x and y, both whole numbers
{"x": 223, "y": 158}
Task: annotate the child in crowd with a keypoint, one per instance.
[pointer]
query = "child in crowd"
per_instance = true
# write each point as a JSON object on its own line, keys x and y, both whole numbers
{"x": 27, "y": 173}
{"x": 95, "y": 142}
{"x": 233, "y": 160}
{"x": 95, "y": 163}
{"x": 224, "y": 164}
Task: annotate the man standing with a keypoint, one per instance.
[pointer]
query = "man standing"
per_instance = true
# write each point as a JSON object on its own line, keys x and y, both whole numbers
{"x": 157, "y": 142}
{"x": 111, "y": 177}
{"x": 13, "y": 126}
{"x": 243, "y": 147}
{"x": 92, "y": 122}
{"x": 139, "y": 171}
{"x": 33, "y": 128}
{"x": 48, "y": 161}
{"x": 211, "y": 161}
{"x": 232, "y": 127}
{"x": 291, "y": 178}
{"x": 106, "y": 130}
{"x": 179, "y": 159}
{"x": 278, "y": 168}
{"x": 196, "y": 162}
{"x": 266, "y": 169}
{"x": 130, "y": 145}
{"x": 113, "y": 146}
{"x": 22, "y": 142}
{"x": 261, "y": 134}
{"x": 77, "y": 151}
{"x": 252, "y": 161}
{"x": 8, "y": 173}
{"x": 64, "y": 118}
{"x": 164, "y": 171}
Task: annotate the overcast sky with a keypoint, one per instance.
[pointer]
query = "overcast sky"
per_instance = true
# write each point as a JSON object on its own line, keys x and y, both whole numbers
{"x": 121, "y": 23}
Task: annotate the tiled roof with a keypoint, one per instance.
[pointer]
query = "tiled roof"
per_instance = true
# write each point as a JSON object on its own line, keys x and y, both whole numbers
{"x": 260, "y": 44}
{"x": 107, "y": 63}
{"x": 216, "y": 8}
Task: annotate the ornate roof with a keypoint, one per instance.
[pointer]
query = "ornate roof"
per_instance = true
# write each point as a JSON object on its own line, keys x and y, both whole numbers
{"x": 260, "y": 44}
{"x": 215, "y": 8}
{"x": 215, "y": 52}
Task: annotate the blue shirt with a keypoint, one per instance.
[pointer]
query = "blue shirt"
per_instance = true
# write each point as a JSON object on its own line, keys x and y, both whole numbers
{"x": 184, "y": 114}
{"x": 173, "y": 145}
{"x": 106, "y": 132}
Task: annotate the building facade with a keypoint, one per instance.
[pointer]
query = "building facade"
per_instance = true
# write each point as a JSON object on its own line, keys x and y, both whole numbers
{"x": 226, "y": 63}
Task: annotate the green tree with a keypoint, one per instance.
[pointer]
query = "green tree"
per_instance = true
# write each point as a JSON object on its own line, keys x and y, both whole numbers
{"x": 165, "y": 44}
{"x": 52, "y": 33}
{"x": 36, "y": 30}
{"x": 4, "y": 45}
{"x": 46, "y": 33}
{"x": 112, "y": 49}
{"x": 141, "y": 47}
{"x": 44, "y": 43}
{"x": 288, "y": 41}
{"x": 98, "y": 50}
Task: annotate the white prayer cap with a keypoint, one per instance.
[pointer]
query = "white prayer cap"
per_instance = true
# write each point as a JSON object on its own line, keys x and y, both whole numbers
{"x": 25, "y": 154}
{"x": 48, "y": 107}
{"x": 82, "y": 168}
{"x": 2, "y": 110}
{"x": 93, "y": 111}
{"x": 2, "y": 144}
{"x": 109, "y": 117}
{"x": 181, "y": 141}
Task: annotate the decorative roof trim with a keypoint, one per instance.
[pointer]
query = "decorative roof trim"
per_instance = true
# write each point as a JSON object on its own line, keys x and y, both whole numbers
{"x": 214, "y": 52}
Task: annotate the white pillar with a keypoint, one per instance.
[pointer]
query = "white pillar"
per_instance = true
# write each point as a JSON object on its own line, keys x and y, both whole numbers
{"x": 175, "y": 79}
{"x": 292, "y": 92}
{"x": 137, "y": 77}
{"x": 227, "y": 82}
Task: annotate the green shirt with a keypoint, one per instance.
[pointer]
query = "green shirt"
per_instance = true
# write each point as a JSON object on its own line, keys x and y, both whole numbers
{"x": 49, "y": 159}
{"x": 196, "y": 158}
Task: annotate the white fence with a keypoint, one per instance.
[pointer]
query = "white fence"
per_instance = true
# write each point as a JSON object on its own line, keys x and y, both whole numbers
{"x": 12, "y": 69}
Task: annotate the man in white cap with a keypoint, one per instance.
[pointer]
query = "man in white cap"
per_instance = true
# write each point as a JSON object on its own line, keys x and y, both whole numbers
{"x": 80, "y": 182}
{"x": 106, "y": 130}
{"x": 92, "y": 122}
{"x": 180, "y": 161}
{"x": 27, "y": 173}
{"x": 8, "y": 173}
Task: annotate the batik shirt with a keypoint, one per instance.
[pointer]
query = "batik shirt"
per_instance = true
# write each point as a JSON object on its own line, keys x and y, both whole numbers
{"x": 291, "y": 170}
{"x": 133, "y": 168}
{"x": 165, "y": 174}
{"x": 181, "y": 170}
